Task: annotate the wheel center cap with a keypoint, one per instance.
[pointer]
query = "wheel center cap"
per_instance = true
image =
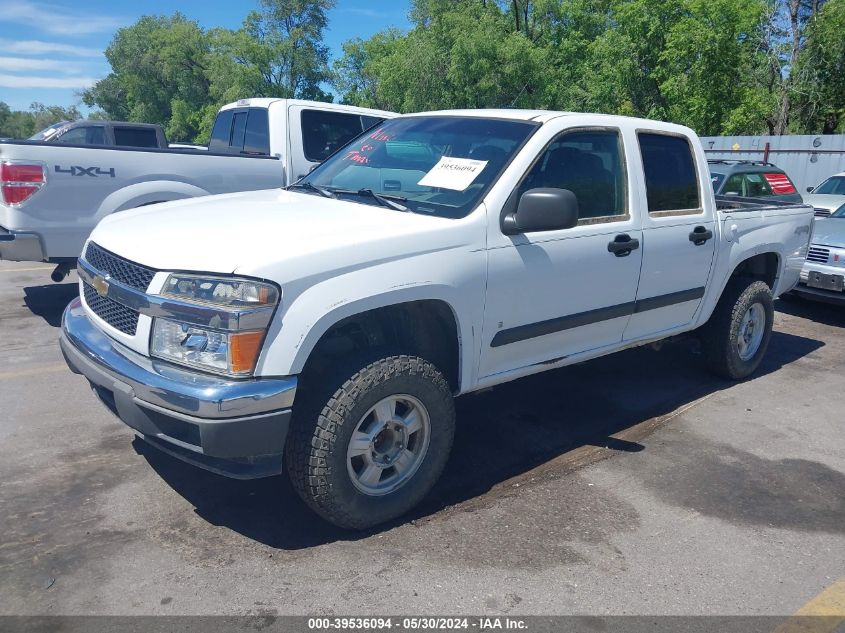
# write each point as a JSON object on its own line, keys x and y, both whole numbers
{"x": 388, "y": 444}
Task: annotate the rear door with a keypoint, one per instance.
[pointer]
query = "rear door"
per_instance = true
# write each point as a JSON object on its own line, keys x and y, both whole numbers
{"x": 315, "y": 134}
{"x": 678, "y": 234}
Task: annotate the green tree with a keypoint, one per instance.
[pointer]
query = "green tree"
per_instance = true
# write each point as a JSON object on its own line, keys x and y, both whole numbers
{"x": 679, "y": 59}
{"x": 168, "y": 70}
{"x": 278, "y": 52}
{"x": 5, "y": 113}
{"x": 460, "y": 53}
{"x": 782, "y": 38}
{"x": 819, "y": 77}
{"x": 25, "y": 123}
{"x": 159, "y": 64}
{"x": 44, "y": 116}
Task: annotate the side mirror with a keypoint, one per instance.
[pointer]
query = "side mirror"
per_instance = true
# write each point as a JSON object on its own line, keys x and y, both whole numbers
{"x": 542, "y": 209}
{"x": 810, "y": 189}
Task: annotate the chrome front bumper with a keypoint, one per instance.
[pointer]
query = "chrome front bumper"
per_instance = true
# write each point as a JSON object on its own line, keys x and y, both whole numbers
{"x": 20, "y": 246}
{"x": 233, "y": 427}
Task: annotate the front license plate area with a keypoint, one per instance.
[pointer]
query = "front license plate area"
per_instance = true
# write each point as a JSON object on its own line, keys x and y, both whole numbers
{"x": 825, "y": 282}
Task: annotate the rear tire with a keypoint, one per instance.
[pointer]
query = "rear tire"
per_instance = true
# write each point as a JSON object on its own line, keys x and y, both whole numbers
{"x": 366, "y": 446}
{"x": 735, "y": 338}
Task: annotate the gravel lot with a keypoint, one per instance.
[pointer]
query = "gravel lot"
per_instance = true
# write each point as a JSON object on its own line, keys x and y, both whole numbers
{"x": 633, "y": 484}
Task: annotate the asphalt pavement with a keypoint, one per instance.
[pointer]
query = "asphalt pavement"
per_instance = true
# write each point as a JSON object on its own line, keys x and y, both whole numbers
{"x": 633, "y": 484}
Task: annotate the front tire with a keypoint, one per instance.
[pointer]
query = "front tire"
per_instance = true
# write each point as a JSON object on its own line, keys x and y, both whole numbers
{"x": 735, "y": 338}
{"x": 367, "y": 446}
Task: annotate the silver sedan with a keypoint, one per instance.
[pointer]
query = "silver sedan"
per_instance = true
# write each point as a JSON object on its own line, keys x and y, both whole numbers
{"x": 824, "y": 271}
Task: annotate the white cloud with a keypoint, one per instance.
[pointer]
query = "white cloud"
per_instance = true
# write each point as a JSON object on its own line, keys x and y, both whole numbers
{"x": 16, "y": 64}
{"x": 55, "y": 19}
{"x": 30, "y": 81}
{"x": 38, "y": 47}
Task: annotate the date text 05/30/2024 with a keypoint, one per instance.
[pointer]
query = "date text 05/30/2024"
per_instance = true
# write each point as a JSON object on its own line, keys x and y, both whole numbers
{"x": 416, "y": 623}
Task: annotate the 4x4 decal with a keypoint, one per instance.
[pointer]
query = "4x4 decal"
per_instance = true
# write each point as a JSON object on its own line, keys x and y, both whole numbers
{"x": 94, "y": 172}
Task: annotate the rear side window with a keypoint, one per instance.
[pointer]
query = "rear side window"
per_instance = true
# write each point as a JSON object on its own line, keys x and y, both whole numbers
{"x": 749, "y": 185}
{"x": 221, "y": 133}
{"x": 244, "y": 131}
{"x": 135, "y": 137}
{"x": 236, "y": 141}
{"x": 257, "y": 135}
{"x": 325, "y": 132}
{"x": 87, "y": 135}
{"x": 370, "y": 121}
{"x": 670, "y": 176}
{"x": 96, "y": 135}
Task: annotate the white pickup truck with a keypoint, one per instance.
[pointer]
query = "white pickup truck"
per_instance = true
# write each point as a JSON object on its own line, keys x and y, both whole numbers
{"x": 52, "y": 195}
{"x": 327, "y": 327}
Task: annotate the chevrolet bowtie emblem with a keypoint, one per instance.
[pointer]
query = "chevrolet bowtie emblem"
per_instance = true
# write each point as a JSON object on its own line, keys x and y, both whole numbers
{"x": 100, "y": 285}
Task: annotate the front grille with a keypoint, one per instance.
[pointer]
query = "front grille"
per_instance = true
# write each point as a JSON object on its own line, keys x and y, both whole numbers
{"x": 129, "y": 273}
{"x": 115, "y": 314}
{"x": 818, "y": 255}
{"x": 822, "y": 213}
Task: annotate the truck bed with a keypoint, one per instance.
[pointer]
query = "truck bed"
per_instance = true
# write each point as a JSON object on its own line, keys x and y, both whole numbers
{"x": 739, "y": 203}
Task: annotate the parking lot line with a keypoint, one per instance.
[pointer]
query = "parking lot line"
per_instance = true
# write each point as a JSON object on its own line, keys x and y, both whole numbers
{"x": 32, "y": 371}
{"x": 822, "y": 614}
{"x": 24, "y": 270}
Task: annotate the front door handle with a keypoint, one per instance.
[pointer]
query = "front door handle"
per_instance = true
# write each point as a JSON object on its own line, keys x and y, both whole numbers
{"x": 622, "y": 245}
{"x": 700, "y": 235}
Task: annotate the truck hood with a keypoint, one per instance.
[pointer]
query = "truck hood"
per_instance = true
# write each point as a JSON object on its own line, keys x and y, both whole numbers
{"x": 829, "y": 232}
{"x": 825, "y": 201}
{"x": 252, "y": 232}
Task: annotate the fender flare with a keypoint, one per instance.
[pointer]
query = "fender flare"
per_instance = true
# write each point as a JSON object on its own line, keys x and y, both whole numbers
{"x": 766, "y": 249}
{"x": 305, "y": 339}
{"x": 148, "y": 192}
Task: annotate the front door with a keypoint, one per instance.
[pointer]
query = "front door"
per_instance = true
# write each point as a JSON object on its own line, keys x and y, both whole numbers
{"x": 557, "y": 293}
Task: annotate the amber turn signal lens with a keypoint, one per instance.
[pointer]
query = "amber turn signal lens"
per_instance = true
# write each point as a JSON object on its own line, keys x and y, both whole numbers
{"x": 244, "y": 349}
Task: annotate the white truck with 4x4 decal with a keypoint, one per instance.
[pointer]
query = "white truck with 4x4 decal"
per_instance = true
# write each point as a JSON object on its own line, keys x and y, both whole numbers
{"x": 53, "y": 194}
{"x": 326, "y": 328}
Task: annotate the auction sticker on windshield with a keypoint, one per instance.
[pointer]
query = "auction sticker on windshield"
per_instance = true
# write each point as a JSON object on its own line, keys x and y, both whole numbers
{"x": 453, "y": 173}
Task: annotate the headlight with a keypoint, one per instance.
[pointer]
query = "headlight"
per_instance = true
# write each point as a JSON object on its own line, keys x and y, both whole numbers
{"x": 220, "y": 291}
{"x": 223, "y": 352}
{"x": 229, "y": 342}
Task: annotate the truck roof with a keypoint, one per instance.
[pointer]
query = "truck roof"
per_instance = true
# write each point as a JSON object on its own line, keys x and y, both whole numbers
{"x": 80, "y": 122}
{"x": 544, "y": 116}
{"x": 265, "y": 102}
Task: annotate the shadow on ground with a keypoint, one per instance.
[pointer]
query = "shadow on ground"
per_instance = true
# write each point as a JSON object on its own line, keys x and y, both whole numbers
{"x": 49, "y": 301}
{"x": 826, "y": 313}
{"x": 501, "y": 433}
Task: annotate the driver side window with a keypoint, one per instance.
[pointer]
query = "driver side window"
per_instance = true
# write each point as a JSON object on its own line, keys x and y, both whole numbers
{"x": 590, "y": 164}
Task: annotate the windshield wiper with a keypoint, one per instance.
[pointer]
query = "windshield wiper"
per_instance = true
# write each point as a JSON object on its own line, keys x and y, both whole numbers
{"x": 384, "y": 200}
{"x": 311, "y": 187}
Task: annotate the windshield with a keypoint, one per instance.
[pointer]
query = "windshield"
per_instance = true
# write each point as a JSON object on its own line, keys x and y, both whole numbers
{"x": 834, "y": 185}
{"x": 47, "y": 132}
{"x": 839, "y": 213}
{"x": 438, "y": 165}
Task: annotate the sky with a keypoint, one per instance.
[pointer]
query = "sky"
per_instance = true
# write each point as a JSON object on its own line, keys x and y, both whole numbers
{"x": 50, "y": 51}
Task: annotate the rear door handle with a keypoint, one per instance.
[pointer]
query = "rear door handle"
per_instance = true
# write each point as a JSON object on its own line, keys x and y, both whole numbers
{"x": 622, "y": 245}
{"x": 700, "y": 235}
